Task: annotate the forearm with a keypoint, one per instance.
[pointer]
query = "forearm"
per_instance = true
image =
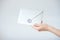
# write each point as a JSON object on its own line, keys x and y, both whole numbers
{"x": 54, "y": 30}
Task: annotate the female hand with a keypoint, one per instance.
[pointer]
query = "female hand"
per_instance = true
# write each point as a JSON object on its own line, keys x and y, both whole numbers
{"x": 41, "y": 27}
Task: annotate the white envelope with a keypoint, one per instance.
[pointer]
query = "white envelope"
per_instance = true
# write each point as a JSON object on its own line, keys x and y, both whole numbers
{"x": 26, "y": 16}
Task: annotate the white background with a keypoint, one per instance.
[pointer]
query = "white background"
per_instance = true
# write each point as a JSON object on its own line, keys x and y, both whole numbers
{"x": 9, "y": 11}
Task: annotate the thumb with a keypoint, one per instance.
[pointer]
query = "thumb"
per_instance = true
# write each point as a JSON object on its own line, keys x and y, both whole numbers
{"x": 41, "y": 21}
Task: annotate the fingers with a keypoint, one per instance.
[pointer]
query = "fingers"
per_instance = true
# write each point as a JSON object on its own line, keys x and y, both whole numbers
{"x": 41, "y": 21}
{"x": 40, "y": 27}
{"x": 36, "y": 25}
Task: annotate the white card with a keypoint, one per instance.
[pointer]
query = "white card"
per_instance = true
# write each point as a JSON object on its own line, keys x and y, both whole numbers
{"x": 29, "y": 16}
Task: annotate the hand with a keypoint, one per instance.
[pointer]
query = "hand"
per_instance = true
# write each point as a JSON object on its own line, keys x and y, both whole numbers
{"x": 41, "y": 27}
{"x": 46, "y": 27}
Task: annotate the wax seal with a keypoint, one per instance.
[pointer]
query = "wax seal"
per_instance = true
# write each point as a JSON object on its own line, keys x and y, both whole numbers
{"x": 29, "y": 20}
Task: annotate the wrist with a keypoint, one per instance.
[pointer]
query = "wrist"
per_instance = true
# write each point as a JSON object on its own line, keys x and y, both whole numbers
{"x": 50, "y": 29}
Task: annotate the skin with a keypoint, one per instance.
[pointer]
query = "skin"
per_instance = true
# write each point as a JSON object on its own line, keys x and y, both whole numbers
{"x": 46, "y": 27}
